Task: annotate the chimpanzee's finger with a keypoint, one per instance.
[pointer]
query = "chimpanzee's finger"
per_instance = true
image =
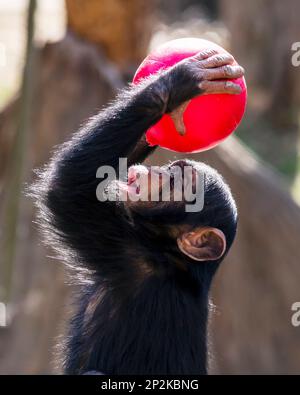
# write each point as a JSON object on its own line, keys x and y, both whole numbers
{"x": 209, "y": 87}
{"x": 228, "y": 71}
{"x": 220, "y": 59}
{"x": 207, "y": 53}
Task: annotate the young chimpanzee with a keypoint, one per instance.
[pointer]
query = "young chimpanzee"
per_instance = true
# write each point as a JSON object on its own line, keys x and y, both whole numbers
{"x": 147, "y": 266}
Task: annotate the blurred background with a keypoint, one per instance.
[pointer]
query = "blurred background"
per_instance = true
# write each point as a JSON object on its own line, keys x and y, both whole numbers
{"x": 60, "y": 61}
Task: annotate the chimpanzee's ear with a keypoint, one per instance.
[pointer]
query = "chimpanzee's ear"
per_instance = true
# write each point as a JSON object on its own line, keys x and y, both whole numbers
{"x": 203, "y": 244}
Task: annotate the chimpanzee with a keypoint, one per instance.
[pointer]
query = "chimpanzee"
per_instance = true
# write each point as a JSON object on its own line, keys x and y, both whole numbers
{"x": 145, "y": 267}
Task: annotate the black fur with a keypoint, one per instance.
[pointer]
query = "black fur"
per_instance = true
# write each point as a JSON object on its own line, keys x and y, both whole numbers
{"x": 145, "y": 307}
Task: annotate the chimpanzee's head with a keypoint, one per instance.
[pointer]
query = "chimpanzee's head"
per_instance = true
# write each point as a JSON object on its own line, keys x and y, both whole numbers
{"x": 185, "y": 209}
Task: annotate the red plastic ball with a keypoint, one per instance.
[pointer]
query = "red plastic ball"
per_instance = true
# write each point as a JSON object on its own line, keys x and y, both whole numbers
{"x": 208, "y": 119}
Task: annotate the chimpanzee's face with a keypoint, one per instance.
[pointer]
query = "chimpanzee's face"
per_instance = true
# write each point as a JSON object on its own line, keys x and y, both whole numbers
{"x": 177, "y": 183}
{"x": 188, "y": 200}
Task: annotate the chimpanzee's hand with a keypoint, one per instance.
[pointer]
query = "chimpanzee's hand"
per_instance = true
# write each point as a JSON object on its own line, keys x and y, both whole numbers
{"x": 205, "y": 73}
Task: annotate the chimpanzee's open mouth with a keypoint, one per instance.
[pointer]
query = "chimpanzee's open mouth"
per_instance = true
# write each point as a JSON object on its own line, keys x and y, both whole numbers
{"x": 132, "y": 184}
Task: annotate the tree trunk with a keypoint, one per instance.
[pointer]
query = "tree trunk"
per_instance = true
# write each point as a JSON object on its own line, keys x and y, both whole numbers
{"x": 121, "y": 30}
{"x": 16, "y": 163}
